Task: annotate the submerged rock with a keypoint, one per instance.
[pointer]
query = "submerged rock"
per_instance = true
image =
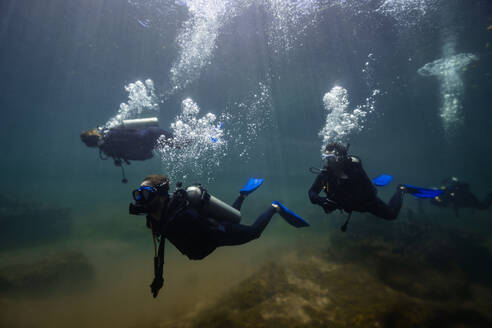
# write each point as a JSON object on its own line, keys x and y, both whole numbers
{"x": 417, "y": 250}
{"x": 63, "y": 271}
{"x": 377, "y": 281}
{"x": 313, "y": 291}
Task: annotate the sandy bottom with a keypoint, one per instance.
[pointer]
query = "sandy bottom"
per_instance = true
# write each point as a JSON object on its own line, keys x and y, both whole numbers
{"x": 287, "y": 278}
{"x": 118, "y": 292}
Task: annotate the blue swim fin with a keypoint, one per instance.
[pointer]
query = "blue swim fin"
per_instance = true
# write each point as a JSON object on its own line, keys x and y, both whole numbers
{"x": 420, "y": 192}
{"x": 382, "y": 180}
{"x": 291, "y": 217}
{"x": 251, "y": 185}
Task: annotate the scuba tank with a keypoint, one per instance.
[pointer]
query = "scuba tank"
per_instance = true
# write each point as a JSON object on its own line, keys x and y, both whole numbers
{"x": 140, "y": 123}
{"x": 210, "y": 206}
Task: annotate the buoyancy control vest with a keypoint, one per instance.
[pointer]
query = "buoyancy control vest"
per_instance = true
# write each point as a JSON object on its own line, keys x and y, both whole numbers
{"x": 207, "y": 206}
{"x": 353, "y": 191}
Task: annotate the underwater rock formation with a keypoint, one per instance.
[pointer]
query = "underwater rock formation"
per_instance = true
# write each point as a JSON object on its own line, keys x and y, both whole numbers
{"x": 397, "y": 277}
{"x": 67, "y": 270}
{"x": 421, "y": 249}
{"x": 312, "y": 291}
{"x": 24, "y": 224}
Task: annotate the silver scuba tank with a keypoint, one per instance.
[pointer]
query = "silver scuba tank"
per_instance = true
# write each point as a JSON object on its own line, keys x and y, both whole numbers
{"x": 140, "y": 123}
{"x": 211, "y": 207}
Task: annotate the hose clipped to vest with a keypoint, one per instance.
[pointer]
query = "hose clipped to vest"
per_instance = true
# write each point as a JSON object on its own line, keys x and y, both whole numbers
{"x": 345, "y": 225}
{"x": 315, "y": 170}
{"x": 158, "y": 281}
{"x": 124, "y": 180}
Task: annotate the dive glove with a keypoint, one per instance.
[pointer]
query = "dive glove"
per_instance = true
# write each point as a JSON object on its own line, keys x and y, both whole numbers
{"x": 329, "y": 206}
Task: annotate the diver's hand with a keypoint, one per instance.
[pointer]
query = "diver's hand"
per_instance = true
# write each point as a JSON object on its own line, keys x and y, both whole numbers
{"x": 329, "y": 206}
{"x": 156, "y": 285}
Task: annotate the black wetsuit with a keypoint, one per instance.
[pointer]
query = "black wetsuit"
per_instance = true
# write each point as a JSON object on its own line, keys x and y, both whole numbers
{"x": 197, "y": 237}
{"x": 457, "y": 194}
{"x": 130, "y": 144}
{"x": 355, "y": 192}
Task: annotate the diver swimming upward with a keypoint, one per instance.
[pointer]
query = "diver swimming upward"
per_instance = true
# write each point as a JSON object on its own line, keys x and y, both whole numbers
{"x": 195, "y": 222}
{"x": 348, "y": 188}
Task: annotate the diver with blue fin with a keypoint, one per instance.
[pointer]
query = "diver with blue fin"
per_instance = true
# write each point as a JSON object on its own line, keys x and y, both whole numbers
{"x": 196, "y": 222}
{"x": 453, "y": 193}
{"x": 348, "y": 188}
{"x": 132, "y": 140}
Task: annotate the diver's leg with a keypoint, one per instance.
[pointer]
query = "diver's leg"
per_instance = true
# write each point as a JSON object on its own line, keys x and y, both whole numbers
{"x": 486, "y": 203}
{"x": 396, "y": 200}
{"x": 239, "y": 202}
{"x": 390, "y": 211}
{"x": 251, "y": 186}
{"x": 237, "y": 234}
{"x": 380, "y": 209}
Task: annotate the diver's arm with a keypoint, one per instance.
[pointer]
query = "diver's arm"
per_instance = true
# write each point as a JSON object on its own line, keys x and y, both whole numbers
{"x": 316, "y": 189}
{"x": 327, "y": 204}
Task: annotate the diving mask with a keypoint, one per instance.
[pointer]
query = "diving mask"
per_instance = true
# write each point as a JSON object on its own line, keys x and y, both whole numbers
{"x": 333, "y": 159}
{"x": 329, "y": 157}
{"x": 144, "y": 197}
{"x": 144, "y": 194}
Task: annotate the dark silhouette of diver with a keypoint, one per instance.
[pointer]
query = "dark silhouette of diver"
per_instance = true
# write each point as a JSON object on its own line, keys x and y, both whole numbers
{"x": 348, "y": 188}
{"x": 125, "y": 144}
{"x": 457, "y": 194}
{"x": 195, "y": 222}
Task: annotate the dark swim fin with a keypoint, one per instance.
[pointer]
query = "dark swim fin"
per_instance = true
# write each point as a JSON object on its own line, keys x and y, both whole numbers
{"x": 420, "y": 192}
{"x": 382, "y": 180}
{"x": 292, "y": 218}
{"x": 251, "y": 185}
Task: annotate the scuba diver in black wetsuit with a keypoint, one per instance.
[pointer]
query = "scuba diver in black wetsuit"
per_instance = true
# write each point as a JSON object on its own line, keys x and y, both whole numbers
{"x": 133, "y": 141}
{"x": 195, "y": 222}
{"x": 457, "y": 194}
{"x": 348, "y": 187}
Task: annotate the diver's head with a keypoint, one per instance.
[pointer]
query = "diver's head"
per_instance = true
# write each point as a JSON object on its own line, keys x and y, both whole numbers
{"x": 90, "y": 137}
{"x": 151, "y": 196}
{"x": 335, "y": 155}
